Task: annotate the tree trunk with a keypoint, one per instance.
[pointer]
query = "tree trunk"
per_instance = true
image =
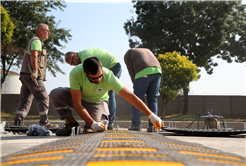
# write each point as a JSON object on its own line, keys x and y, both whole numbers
{"x": 163, "y": 112}
{"x": 0, "y": 96}
{"x": 186, "y": 101}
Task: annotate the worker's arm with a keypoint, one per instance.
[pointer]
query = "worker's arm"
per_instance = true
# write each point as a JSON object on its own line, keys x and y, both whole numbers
{"x": 140, "y": 105}
{"x": 77, "y": 105}
{"x": 34, "y": 59}
{"x": 134, "y": 100}
{"x": 34, "y": 64}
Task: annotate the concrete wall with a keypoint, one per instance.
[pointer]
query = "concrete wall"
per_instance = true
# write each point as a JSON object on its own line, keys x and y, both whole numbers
{"x": 9, "y": 103}
{"x": 226, "y": 105}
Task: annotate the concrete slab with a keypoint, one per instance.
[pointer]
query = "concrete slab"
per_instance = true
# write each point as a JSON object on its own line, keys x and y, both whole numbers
{"x": 122, "y": 147}
{"x": 226, "y": 144}
{"x": 11, "y": 143}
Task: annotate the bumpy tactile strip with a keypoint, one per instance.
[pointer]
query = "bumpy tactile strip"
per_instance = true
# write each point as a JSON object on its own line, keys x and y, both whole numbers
{"x": 118, "y": 148}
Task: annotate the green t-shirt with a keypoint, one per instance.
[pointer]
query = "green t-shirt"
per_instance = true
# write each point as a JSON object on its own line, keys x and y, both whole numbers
{"x": 36, "y": 45}
{"x": 148, "y": 71}
{"x": 91, "y": 92}
{"x": 108, "y": 60}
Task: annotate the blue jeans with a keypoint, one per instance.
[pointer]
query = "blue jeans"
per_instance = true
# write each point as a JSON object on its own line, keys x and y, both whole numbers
{"x": 112, "y": 102}
{"x": 148, "y": 84}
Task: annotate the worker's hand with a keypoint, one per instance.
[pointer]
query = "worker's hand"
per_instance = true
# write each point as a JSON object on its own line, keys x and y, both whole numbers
{"x": 97, "y": 126}
{"x": 156, "y": 121}
{"x": 34, "y": 75}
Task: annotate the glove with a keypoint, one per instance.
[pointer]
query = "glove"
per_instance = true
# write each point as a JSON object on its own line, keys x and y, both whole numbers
{"x": 97, "y": 126}
{"x": 156, "y": 121}
{"x": 34, "y": 75}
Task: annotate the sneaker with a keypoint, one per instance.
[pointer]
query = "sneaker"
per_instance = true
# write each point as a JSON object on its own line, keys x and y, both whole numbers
{"x": 88, "y": 129}
{"x": 151, "y": 129}
{"x": 111, "y": 126}
{"x": 66, "y": 131}
{"x": 134, "y": 128}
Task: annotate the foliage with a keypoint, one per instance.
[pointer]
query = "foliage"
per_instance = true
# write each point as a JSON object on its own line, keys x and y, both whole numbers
{"x": 198, "y": 29}
{"x": 177, "y": 72}
{"x": 26, "y": 15}
{"x": 7, "y": 27}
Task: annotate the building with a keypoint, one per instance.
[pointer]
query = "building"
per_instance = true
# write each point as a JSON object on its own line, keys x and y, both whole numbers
{"x": 12, "y": 83}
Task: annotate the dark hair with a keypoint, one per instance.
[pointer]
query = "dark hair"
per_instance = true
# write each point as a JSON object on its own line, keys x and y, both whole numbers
{"x": 68, "y": 55}
{"x": 92, "y": 65}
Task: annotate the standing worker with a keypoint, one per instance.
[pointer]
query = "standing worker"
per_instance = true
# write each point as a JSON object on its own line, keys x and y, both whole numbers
{"x": 32, "y": 75}
{"x": 109, "y": 61}
{"x": 145, "y": 71}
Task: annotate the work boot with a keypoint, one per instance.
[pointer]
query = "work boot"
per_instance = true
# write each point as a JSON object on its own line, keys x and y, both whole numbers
{"x": 87, "y": 129}
{"x": 134, "y": 128}
{"x": 67, "y": 129}
{"x": 111, "y": 126}
{"x": 18, "y": 125}
{"x": 52, "y": 126}
{"x": 151, "y": 129}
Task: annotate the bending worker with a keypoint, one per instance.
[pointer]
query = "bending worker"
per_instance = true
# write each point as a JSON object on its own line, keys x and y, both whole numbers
{"x": 145, "y": 71}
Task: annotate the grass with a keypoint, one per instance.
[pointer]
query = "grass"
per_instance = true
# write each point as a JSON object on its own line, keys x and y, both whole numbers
{"x": 173, "y": 117}
{"x": 180, "y": 117}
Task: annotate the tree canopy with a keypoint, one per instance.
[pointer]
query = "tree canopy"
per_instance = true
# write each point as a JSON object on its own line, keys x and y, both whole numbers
{"x": 26, "y": 15}
{"x": 7, "y": 27}
{"x": 177, "y": 73}
{"x": 198, "y": 29}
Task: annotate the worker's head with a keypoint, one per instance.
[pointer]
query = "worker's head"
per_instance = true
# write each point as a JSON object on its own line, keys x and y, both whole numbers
{"x": 42, "y": 31}
{"x": 93, "y": 69}
{"x": 72, "y": 58}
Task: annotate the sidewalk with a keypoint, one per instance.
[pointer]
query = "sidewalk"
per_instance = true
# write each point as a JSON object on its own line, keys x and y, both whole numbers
{"x": 12, "y": 143}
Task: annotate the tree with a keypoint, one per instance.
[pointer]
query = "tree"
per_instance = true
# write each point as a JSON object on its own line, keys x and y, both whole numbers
{"x": 177, "y": 73}
{"x": 199, "y": 29}
{"x": 26, "y": 15}
{"x": 7, "y": 27}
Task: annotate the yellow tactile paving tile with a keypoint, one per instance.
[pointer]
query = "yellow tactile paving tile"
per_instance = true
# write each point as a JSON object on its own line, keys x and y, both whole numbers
{"x": 120, "y": 136}
{"x": 211, "y": 155}
{"x": 43, "y": 153}
{"x": 123, "y": 144}
{"x": 63, "y": 144}
{"x": 195, "y": 149}
{"x": 127, "y": 149}
{"x": 122, "y": 141}
{"x": 129, "y": 155}
{"x": 182, "y": 145}
{"x": 134, "y": 163}
{"x": 22, "y": 161}
{"x": 50, "y": 149}
{"x": 122, "y": 148}
{"x": 222, "y": 161}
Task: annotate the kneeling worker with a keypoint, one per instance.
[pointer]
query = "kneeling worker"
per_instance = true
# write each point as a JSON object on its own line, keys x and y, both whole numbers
{"x": 88, "y": 95}
{"x": 109, "y": 61}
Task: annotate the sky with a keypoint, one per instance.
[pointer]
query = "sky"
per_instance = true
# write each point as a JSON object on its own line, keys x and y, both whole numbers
{"x": 100, "y": 24}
